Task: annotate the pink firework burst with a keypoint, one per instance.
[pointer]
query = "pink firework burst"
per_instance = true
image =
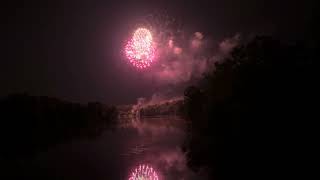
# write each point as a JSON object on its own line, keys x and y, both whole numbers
{"x": 144, "y": 172}
{"x": 139, "y": 49}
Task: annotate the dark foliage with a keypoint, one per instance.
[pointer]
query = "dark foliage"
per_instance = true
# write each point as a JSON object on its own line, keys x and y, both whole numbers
{"x": 31, "y": 124}
{"x": 248, "y": 116}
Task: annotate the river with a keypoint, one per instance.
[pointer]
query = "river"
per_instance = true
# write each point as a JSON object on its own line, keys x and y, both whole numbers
{"x": 155, "y": 142}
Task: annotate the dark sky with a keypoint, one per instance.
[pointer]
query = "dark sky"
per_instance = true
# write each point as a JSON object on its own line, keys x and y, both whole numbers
{"x": 72, "y": 49}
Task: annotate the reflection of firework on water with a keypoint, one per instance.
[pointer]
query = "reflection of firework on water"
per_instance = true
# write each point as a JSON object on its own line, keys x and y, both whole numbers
{"x": 144, "y": 172}
{"x": 140, "y": 49}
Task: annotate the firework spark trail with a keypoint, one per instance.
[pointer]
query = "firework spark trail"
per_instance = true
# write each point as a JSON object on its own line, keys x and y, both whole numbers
{"x": 144, "y": 172}
{"x": 139, "y": 49}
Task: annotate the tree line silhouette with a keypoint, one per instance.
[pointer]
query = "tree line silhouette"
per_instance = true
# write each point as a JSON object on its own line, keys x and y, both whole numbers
{"x": 247, "y": 114}
{"x": 32, "y": 124}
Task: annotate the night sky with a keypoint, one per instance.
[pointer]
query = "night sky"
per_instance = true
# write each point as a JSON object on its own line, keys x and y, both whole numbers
{"x": 72, "y": 49}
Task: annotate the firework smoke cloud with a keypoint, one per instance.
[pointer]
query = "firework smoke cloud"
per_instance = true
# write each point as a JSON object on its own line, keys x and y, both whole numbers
{"x": 172, "y": 55}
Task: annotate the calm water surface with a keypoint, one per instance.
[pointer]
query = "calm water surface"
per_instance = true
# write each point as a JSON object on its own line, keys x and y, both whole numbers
{"x": 113, "y": 155}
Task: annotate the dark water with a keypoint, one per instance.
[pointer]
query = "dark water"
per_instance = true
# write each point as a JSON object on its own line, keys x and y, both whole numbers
{"x": 153, "y": 141}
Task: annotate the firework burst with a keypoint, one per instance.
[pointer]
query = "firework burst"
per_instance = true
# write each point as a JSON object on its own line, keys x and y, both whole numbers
{"x": 140, "y": 49}
{"x": 144, "y": 172}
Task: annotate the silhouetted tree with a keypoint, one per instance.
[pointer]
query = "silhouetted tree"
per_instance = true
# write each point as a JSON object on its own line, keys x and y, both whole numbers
{"x": 30, "y": 124}
{"x": 252, "y": 97}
